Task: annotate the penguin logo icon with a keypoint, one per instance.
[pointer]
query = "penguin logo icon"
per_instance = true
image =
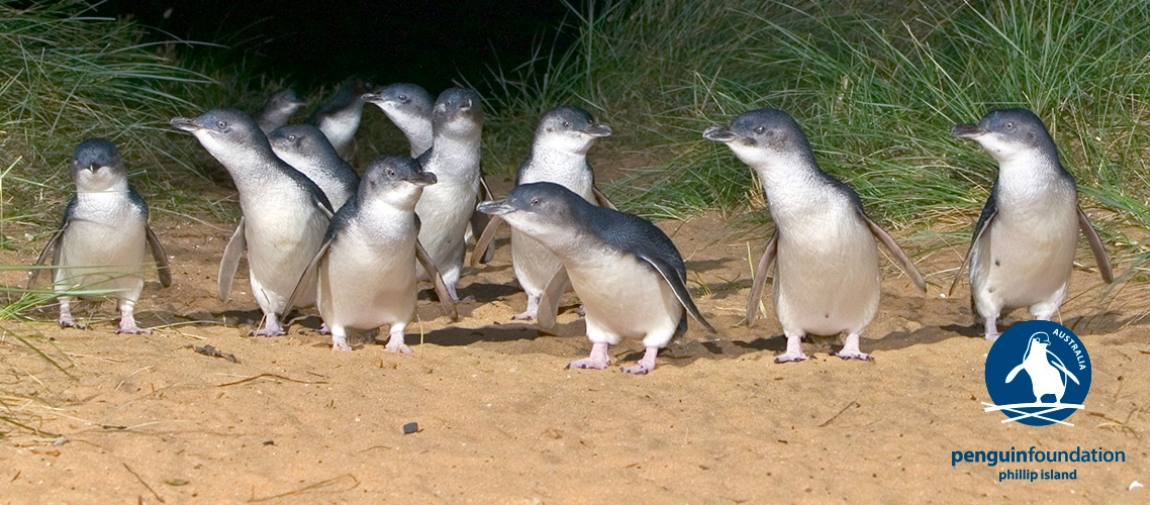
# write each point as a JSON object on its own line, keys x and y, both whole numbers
{"x": 1037, "y": 373}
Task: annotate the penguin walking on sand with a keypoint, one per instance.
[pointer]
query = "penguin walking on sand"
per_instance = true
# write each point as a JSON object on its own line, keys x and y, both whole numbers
{"x": 627, "y": 272}
{"x": 446, "y": 207}
{"x": 103, "y": 237}
{"x": 278, "y": 110}
{"x": 307, "y": 150}
{"x": 366, "y": 266}
{"x": 1047, "y": 372}
{"x": 284, "y": 218}
{"x": 1023, "y": 246}
{"x": 408, "y": 106}
{"x": 339, "y": 117}
{"x": 824, "y": 252}
{"x": 558, "y": 155}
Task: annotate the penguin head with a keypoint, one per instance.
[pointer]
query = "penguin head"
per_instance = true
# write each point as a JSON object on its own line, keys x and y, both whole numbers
{"x": 223, "y": 132}
{"x": 401, "y": 98}
{"x": 458, "y": 113}
{"x": 396, "y": 180}
{"x": 97, "y": 166}
{"x": 763, "y": 137}
{"x": 300, "y": 140}
{"x": 285, "y": 101}
{"x": 1009, "y": 134}
{"x": 569, "y": 129}
{"x": 542, "y": 210}
{"x": 1041, "y": 338}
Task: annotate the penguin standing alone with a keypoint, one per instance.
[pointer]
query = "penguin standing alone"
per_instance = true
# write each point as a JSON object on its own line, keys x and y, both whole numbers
{"x": 101, "y": 241}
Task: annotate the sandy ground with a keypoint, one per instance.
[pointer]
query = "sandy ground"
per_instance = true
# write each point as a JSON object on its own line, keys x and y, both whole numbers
{"x": 145, "y": 419}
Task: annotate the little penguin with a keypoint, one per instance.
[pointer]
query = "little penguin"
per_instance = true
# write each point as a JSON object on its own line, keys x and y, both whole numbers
{"x": 558, "y": 155}
{"x": 338, "y": 118}
{"x": 278, "y": 110}
{"x": 284, "y": 218}
{"x": 366, "y": 265}
{"x": 1022, "y": 250}
{"x": 101, "y": 241}
{"x": 446, "y": 207}
{"x": 627, "y": 272}
{"x": 823, "y": 249}
{"x": 408, "y": 106}
{"x": 306, "y": 149}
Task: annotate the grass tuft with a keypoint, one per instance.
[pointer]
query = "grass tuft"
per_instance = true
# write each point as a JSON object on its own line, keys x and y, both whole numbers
{"x": 876, "y": 86}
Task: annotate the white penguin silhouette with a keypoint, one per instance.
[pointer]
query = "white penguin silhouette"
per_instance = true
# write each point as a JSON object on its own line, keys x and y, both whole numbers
{"x": 1047, "y": 376}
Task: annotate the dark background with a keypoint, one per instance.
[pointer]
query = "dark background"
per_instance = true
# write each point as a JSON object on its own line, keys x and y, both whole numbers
{"x": 318, "y": 42}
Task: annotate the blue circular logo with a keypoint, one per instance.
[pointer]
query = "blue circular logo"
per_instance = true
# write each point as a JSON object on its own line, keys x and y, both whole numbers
{"x": 1037, "y": 373}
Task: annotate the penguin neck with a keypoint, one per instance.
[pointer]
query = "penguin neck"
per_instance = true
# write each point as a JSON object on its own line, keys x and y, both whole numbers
{"x": 792, "y": 183}
{"x": 454, "y": 156}
{"x": 1033, "y": 179}
{"x": 415, "y": 128}
{"x": 548, "y": 164}
{"x": 117, "y": 187}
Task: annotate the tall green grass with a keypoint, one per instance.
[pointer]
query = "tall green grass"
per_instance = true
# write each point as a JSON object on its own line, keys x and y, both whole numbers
{"x": 64, "y": 76}
{"x": 877, "y": 86}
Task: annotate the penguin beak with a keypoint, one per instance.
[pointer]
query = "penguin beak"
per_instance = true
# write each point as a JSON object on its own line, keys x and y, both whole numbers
{"x": 496, "y": 208}
{"x": 424, "y": 179}
{"x": 372, "y": 97}
{"x": 597, "y": 130}
{"x": 967, "y": 131}
{"x": 184, "y": 123}
{"x": 719, "y": 134}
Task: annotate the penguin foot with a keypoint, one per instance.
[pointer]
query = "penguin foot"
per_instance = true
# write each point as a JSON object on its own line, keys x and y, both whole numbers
{"x": 527, "y": 315}
{"x": 991, "y": 337}
{"x": 397, "y": 349}
{"x": 271, "y": 328}
{"x": 130, "y": 328}
{"x": 268, "y": 332}
{"x": 644, "y": 365}
{"x": 845, "y": 354}
{"x": 790, "y": 357}
{"x": 323, "y": 329}
{"x": 340, "y": 346}
{"x": 70, "y": 323}
{"x": 598, "y": 360}
{"x": 588, "y": 363}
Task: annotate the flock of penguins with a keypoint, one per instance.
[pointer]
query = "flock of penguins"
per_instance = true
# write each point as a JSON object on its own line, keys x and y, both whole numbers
{"x": 356, "y": 247}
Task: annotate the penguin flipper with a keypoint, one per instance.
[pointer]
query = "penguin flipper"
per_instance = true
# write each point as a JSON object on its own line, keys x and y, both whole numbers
{"x": 231, "y": 261}
{"x": 984, "y": 221}
{"x": 601, "y": 199}
{"x": 1010, "y": 376}
{"x": 900, "y": 257}
{"x": 48, "y": 249}
{"x": 549, "y": 300}
{"x": 163, "y": 269}
{"x": 440, "y": 288}
{"x": 484, "y": 240}
{"x": 761, "y": 279}
{"x": 54, "y": 242}
{"x": 480, "y": 222}
{"x": 678, "y": 285}
{"x": 1100, "y": 256}
{"x": 307, "y": 272}
{"x": 1057, "y": 362}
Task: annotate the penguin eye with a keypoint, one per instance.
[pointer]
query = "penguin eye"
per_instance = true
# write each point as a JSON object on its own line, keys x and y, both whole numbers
{"x": 222, "y": 124}
{"x": 291, "y": 138}
{"x": 566, "y": 124}
{"x": 391, "y": 173}
{"x": 760, "y": 130}
{"x": 402, "y": 98}
{"x": 1009, "y": 125}
{"x": 535, "y": 202}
